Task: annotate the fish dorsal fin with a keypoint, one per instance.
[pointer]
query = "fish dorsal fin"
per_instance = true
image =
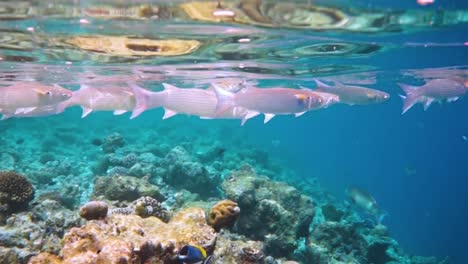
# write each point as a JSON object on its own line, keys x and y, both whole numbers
{"x": 168, "y": 113}
{"x": 268, "y": 117}
{"x": 86, "y": 111}
{"x": 120, "y": 112}
{"x": 321, "y": 84}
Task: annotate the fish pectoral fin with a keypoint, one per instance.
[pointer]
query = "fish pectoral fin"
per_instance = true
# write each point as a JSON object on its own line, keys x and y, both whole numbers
{"x": 86, "y": 111}
{"x": 427, "y": 103}
{"x": 40, "y": 91}
{"x": 299, "y": 114}
{"x": 120, "y": 112}
{"x": 24, "y": 110}
{"x": 248, "y": 115}
{"x": 168, "y": 113}
{"x": 452, "y": 99}
{"x": 268, "y": 117}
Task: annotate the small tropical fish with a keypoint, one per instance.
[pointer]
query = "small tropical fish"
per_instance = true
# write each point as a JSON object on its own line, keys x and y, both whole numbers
{"x": 365, "y": 201}
{"x": 174, "y": 100}
{"x": 25, "y": 97}
{"x": 432, "y": 90}
{"x": 353, "y": 95}
{"x": 270, "y": 102}
{"x": 193, "y": 255}
{"x": 119, "y": 99}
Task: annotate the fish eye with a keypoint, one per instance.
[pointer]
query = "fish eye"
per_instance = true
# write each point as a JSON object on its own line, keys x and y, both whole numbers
{"x": 48, "y": 93}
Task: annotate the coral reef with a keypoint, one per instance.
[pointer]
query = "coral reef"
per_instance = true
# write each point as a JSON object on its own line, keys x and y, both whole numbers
{"x": 272, "y": 211}
{"x": 94, "y": 210}
{"x": 144, "y": 207}
{"x": 223, "y": 214}
{"x": 41, "y": 229}
{"x": 148, "y": 176}
{"x": 15, "y": 191}
{"x": 184, "y": 172}
{"x": 113, "y": 142}
{"x": 130, "y": 238}
{"x": 235, "y": 249}
{"x": 126, "y": 188}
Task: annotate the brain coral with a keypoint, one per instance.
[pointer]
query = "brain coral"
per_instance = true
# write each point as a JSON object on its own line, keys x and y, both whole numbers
{"x": 223, "y": 214}
{"x": 16, "y": 190}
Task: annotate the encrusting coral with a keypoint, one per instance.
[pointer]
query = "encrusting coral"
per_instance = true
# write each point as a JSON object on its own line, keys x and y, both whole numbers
{"x": 131, "y": 239}
{"x": 223, "y": 214}
{"x": 144, "y": 207}
{"x": 15, "y": 190}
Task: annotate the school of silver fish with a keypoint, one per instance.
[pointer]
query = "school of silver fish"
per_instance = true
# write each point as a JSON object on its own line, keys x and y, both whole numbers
{"x": 237, "y": 99}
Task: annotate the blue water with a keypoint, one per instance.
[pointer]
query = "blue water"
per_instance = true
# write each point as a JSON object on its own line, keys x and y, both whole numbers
{"x": 415, "y": 165}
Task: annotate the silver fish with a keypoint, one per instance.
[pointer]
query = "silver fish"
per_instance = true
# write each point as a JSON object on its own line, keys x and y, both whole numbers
{"x": 365, "y": 201}
{"x": 353, "y": 95}
{"x": 433, "y": 90}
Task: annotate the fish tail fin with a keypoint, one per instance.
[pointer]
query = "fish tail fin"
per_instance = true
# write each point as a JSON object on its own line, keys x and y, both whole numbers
{"x": 142, "y": 98}
{"x": 411, "y": 96}
{"x": 224, "y": 99}
{"x": 6, "y": 116}
{"x": 381, "y": 215}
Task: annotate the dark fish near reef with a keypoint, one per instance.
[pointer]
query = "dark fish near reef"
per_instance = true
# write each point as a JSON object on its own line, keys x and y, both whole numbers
{"x": 193, "y": 255}
{"x": 25, "y": 97}
{"x": 433, "y": 90}
{"x": 353, "y": 95}
{"x": 365, "y": 201}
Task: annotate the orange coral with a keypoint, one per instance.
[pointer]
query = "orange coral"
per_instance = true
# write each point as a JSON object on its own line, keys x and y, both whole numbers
{"x": 223, "y": 214}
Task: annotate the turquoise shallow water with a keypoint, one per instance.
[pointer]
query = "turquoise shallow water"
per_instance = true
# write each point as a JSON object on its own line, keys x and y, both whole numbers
{"x": 415, "y": 165}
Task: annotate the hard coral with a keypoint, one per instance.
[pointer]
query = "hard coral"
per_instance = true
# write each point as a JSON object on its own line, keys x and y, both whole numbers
{"x": 272, "y": 211}
{"x": 144, "y": 207}
{"x": 223, "y": 214}
{"x": 132, "y": 239}
{"x": 16, "y": 190}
